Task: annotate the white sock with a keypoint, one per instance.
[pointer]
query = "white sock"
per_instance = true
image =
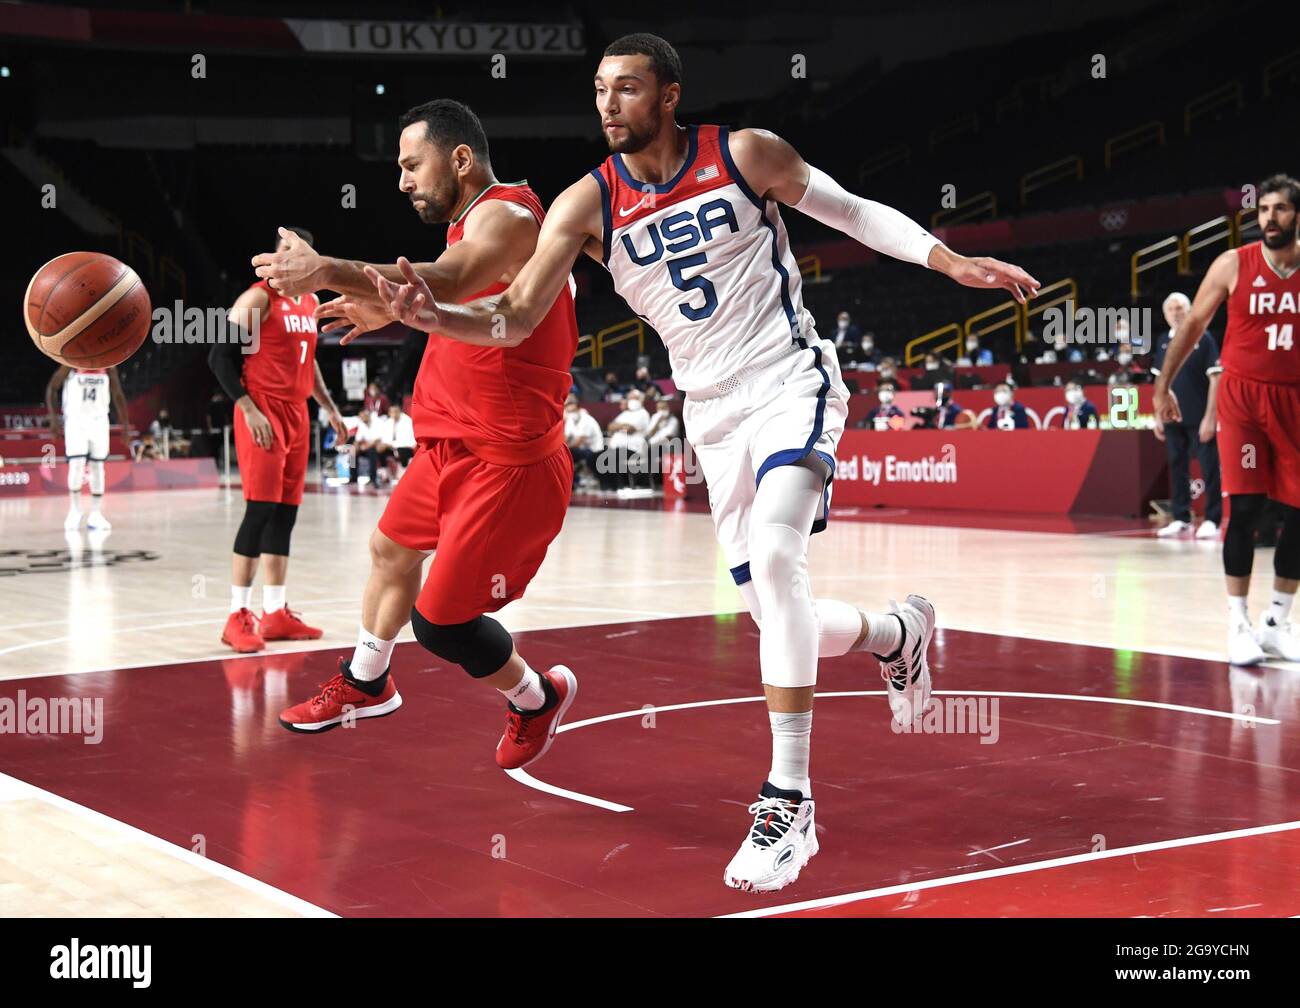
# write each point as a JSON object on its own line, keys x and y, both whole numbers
{"x": 95, "y": 501}
{"x": 272, "y": 598}
{"x": 791, "y": 742}
{"x": 884, "y": 633}
{"x": 240, "y": 598}
{"x": 1280, "y": 610}
{"x": 1237, "y": 612}
{"x": 371, "y": 656}
{"x": 528, "y": 695}
{"x": 74, "y": 499}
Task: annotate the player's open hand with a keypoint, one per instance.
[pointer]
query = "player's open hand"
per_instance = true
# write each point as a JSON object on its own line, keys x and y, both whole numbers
{"x": 352, "y": 317}
{"x": 293, "y": 271}
{"x": 1166, "y": 408}
{"x": 411, "y": 303}
{"x": 993, "y": 274}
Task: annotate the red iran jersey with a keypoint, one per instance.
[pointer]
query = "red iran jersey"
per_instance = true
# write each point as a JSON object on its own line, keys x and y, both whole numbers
{"x": 284, "y": 366}
{"x": 1262, "y": 342}
{"x": 509, "y": 394}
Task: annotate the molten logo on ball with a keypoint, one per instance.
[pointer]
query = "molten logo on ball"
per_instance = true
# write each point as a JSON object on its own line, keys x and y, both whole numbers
{"x": 87, "y": 310}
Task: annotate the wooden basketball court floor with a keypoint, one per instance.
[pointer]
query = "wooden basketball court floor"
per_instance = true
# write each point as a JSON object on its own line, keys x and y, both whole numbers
{"x": 1130, "y": 772}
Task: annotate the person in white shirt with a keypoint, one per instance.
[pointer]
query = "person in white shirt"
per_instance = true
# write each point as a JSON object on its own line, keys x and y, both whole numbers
{"x": 583, "y": 436}
{"x": 627, "y": 441}
{"x": 363, "y": 437}
{"x": 663, "y": 436}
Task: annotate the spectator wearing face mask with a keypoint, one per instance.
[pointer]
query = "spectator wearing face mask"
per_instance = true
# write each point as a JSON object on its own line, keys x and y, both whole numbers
{"x": 867, "y": 354}
{"x": 583, "y": 436}
{"x": 644, "y": 384}
{"x": 886, "y": 416}
{"x": 626, "y": 442}
{"x": 936, "y": 370}
{"x": 1195, "y": 387}
{"x": 846, "y": 333}
{"x": 664, "y": 426}
{"x": 1079, "y": 413}
{"x": 977, "y": 355}
{"x": 887, "y": 371}
{"x": 1129, "y": 372}
{"x": 946, "y": 414}
{"x": 1007, "y": 414}
{"x": 613, "y": 388}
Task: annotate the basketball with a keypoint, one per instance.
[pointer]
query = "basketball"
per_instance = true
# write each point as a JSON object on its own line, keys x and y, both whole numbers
{"x": 87, "y": 310}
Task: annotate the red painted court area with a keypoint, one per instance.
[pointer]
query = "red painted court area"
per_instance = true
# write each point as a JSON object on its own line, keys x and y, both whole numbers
{"x": 408, "y": 815}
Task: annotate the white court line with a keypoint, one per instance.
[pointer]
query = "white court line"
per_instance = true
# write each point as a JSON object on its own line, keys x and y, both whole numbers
{"x": 529, "y": 781}
{"x": 1031, "y": 866}
{"x": 13, "y": 789}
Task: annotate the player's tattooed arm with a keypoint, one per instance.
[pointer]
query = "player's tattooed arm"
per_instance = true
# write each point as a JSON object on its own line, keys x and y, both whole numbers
{"x": 774, "y": 169}
{"x": 1217, "y": 285}
{"x": 571, "y": 227}
{"x": 52, "y": 391}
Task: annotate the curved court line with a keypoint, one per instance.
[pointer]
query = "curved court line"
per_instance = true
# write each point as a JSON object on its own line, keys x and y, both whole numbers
{"x": 1019, "y": 869}
{"x": 529, "y": 781}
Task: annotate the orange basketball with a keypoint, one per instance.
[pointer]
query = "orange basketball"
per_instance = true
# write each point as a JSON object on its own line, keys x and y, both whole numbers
{"x": 87, "y": 310}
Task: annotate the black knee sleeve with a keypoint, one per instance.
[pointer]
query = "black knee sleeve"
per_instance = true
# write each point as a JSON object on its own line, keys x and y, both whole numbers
{"x": 276, "y": 532}
{"x": 1239, "y": 539}
{"x": 1286, "y": 557}
{"x": 481, "y": 646}
{"x": 248, "y": 540}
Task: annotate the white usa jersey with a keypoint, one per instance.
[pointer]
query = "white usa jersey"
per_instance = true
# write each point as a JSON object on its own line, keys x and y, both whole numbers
{"x": 85, "y": 397}
{"x": 706, "y": 262}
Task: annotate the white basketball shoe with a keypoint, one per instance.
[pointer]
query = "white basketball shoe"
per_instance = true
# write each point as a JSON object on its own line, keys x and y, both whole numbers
{"x": 1277, "y": 640}
{"x": 98, "y": 522}
{"x": 782, "y": 840}
{"x": 907, "y": 670}
{"x": 73, "y": 520}
{"x": 1243, "y": 647}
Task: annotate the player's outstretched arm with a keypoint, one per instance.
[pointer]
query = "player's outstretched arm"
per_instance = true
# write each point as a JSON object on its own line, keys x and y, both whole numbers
{"x": 499, "y": 238}
{"x": 775, "y": 170}
{"x": 1214, "y": 288}
{"x": 508, "y": 318}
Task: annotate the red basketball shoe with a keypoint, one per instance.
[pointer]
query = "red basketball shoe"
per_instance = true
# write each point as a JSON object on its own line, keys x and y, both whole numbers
{"x": 285, "y": 624}
{"x": 241, "y": 632}
{"x": 530, "y": 733}
{"x": 337, "y": 700}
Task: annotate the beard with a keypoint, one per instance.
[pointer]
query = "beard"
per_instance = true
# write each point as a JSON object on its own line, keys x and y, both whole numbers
{"x": 1282, "y": 239}
{"x": 634, "y": 141}
{"x": 438, "y": 203}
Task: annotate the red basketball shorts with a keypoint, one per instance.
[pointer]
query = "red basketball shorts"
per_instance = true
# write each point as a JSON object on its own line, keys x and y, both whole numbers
{"x": 488, "y": 525}
{"x": 1259, "y": 438}
{"x": 275, "y": 474}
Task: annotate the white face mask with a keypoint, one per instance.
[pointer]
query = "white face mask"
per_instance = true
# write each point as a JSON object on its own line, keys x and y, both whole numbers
{"x": 932, "y": 365}
{"x": 843, "y": 323}
{"x": 634, "y": 404}
{"x": 1002, "y": 398}
{"x": 1074, "y": 396}
{"x": 886, "y": 396}
{"x": 867, "y": 345}
{"x": 1123, "y": 358}
{"x": 972, "y": 346}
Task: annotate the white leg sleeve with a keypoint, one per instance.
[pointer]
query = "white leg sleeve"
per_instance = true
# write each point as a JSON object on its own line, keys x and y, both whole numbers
{"x": 76, "y": 472}
{"x": 96, "y": 476}
{"x": 780, "y": 523}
